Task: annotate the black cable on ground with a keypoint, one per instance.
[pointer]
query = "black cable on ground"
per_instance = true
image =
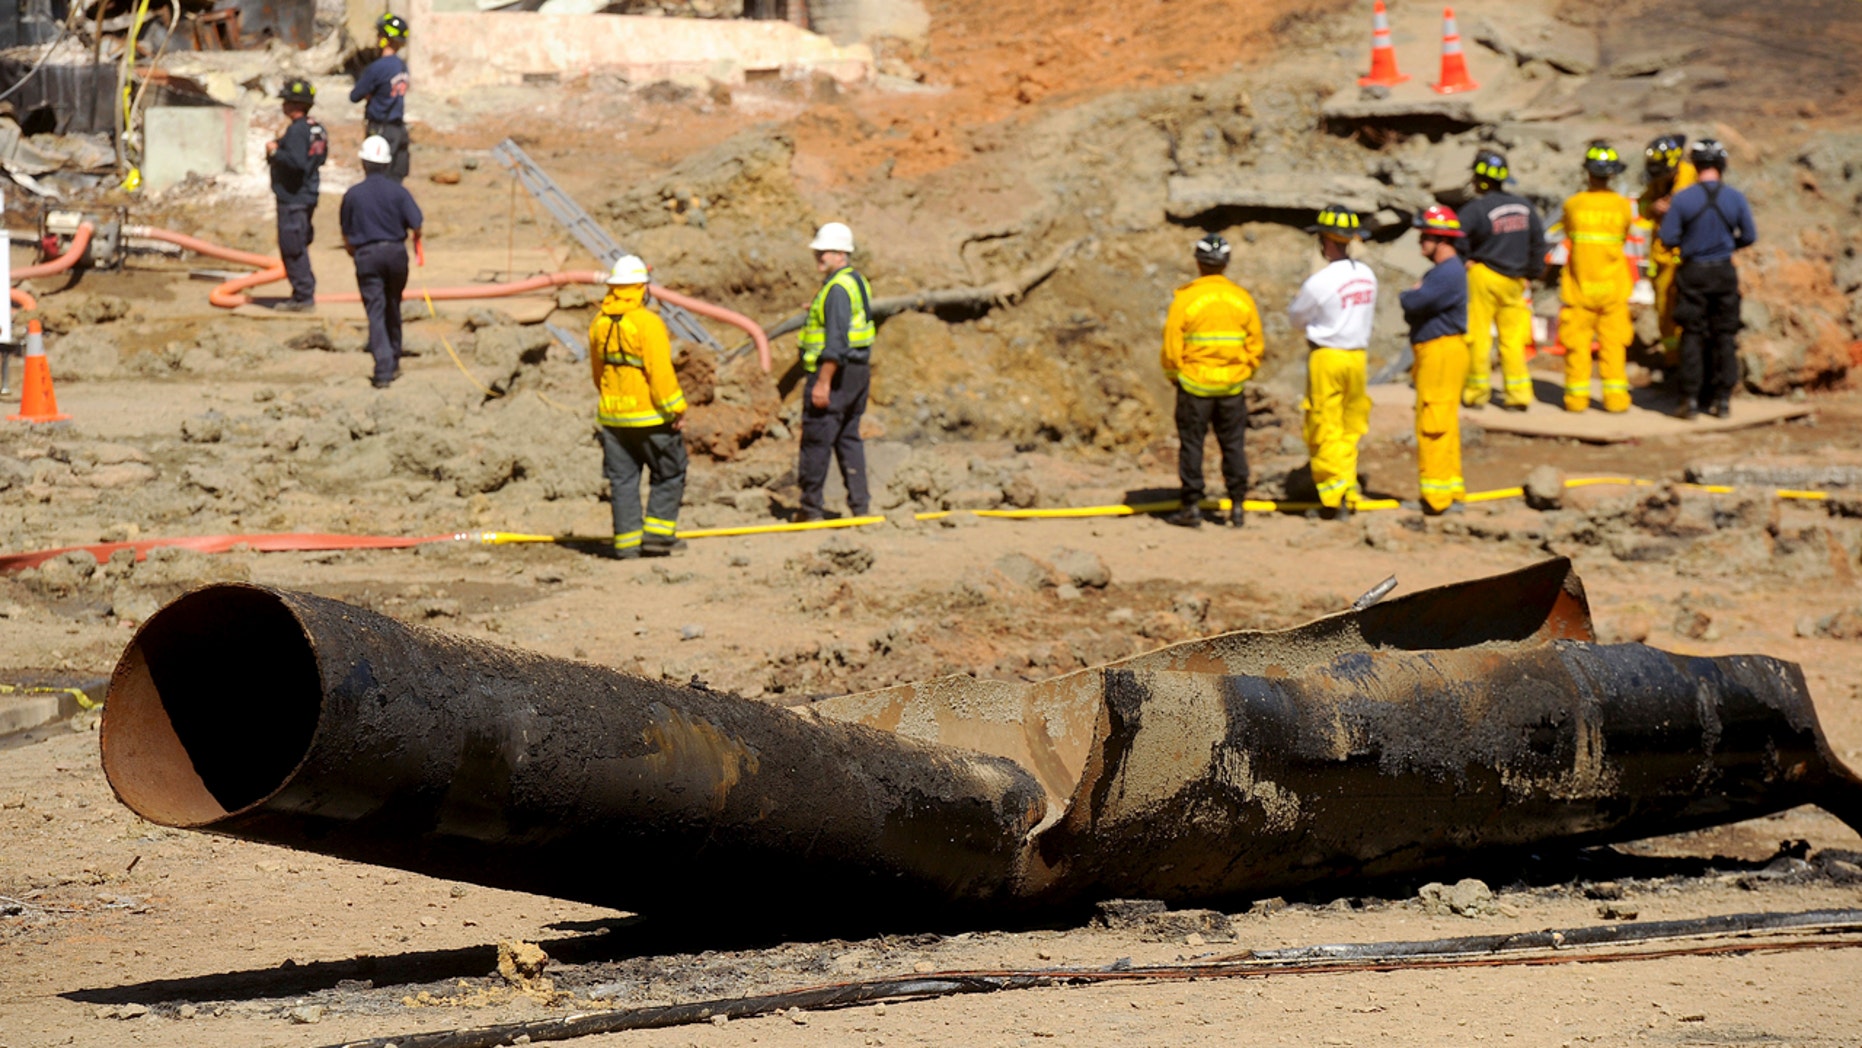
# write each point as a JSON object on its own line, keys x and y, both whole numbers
{"x": 1566, "y": 946}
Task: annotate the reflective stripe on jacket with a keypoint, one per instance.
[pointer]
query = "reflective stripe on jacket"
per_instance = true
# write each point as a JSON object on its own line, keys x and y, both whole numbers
{"x": 1212, "y": 337}
{"x": 628, "y": 343}
{"x": 1597, "y": 225}
{"x": 860, "y": 328}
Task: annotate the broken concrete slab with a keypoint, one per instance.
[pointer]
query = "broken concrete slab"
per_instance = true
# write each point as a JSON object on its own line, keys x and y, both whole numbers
{"x": 191, "y": 140}
{"x": 1564, "y": 47}
{"x": 1287, "y": 191}
{"x": 1651, "y": 415}
{"x": 1648, "y": 58}
{"x": 463, "y": 50}
{"x": 1805, "y": 475}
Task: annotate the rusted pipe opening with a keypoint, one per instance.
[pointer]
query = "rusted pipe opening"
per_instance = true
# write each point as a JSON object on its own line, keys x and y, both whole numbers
{"x": 212, "y": 708}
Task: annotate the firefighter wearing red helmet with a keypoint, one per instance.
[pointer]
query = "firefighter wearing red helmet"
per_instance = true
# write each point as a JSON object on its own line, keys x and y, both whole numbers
{"x": 1436, "y": 310}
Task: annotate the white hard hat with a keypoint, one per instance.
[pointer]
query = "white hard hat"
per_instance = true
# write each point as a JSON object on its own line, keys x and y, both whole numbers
{"x": 835, "y": 236}
{"x": 375, "y": 150}
{"x": 628, "y": 269}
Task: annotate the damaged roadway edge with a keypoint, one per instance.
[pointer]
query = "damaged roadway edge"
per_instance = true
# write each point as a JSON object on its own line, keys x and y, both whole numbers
{"x": 1427, "y": 730}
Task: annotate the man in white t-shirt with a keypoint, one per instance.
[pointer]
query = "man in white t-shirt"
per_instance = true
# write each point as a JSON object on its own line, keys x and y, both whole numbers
{"x": 1334, "y": 308}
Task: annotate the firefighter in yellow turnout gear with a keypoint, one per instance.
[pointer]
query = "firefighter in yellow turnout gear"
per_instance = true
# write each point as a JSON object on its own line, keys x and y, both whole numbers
{"x": 1212, "y": 345}
{"x": 642, "y": 415}
{"x": 1436, "y": 310}
{"x": 1334, "y": 309}
{"x": 1668, "y": 172}
{"x": 1595, "y": 286}
{"x": 1505, "y": 249}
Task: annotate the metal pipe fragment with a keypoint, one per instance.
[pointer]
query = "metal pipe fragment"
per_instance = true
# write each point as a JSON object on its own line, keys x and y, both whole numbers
{"x": 300, "y": 721}
{"x": 1439, "y": 728}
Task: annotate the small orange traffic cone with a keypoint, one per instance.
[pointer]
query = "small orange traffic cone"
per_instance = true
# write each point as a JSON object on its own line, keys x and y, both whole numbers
{"x": 1383, "y": 56}
{"x": 37, "y": 402}
{"x": 1454, "y": 63}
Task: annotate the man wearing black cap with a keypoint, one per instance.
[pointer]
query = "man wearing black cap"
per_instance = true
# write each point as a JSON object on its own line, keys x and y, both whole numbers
{"x": 1707, "y": 223}
{"x": 294, "y": 158}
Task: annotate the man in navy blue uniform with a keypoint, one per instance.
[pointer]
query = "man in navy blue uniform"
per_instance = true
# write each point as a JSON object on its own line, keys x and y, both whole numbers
{"x": 377, "y": 214}
{"x": 295, "y": 157}
{"x": 1707, "y": 222}
{"x": 384, "y": 85}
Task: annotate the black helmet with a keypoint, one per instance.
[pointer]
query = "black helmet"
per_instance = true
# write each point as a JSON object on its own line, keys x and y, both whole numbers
{"x": 1212, "y": 250}
{"x": 1601, "y": 160}
{"x": 1338, "y": 222}
{"x": 1663, "y": 155}
{"x": 1490, "y": 167}
{"x": 1708, "y": 152}
{"x": 298, "y": 89}
{"x": 391, "y": 27}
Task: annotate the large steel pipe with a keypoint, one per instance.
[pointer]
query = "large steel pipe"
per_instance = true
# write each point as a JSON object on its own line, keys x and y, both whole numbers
{"x": 1380, "y": 764}
{"x": 291, "y": 719}
{"x": 1226, "y": 768}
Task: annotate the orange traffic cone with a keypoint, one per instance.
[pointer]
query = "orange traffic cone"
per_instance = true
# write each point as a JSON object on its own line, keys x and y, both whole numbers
{"x": 1454, "y": 64}
{"x": 37, "y": 403}
{"x": 1383, "y": 56}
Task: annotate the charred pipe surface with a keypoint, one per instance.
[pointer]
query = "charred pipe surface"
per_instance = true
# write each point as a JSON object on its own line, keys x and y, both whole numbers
{"x": 1389, "y": 763}
{"x": 1415, "y": 734}
{"x": 300, "y": 721}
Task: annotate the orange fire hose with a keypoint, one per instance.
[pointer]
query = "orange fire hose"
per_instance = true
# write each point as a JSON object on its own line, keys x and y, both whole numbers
{"x": 232, "y": 293}
{"x": 80, "y": 243}
{"x": 23, "y": 299}
{"x": 282, "y": 542}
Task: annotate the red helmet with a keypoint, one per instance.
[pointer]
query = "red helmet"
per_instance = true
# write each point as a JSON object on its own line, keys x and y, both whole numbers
{"x": 1437, "y": 220}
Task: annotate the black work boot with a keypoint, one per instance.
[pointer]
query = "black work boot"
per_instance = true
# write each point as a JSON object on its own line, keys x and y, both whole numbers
{"x": 1340, "y": 512}
{"x": 1237, "y": 517}
{"x": 1190, "y": 516}
{"x": 1721, "y": 408}
{"x": 1687, "y": 411}
{"x": 660, "y": 546}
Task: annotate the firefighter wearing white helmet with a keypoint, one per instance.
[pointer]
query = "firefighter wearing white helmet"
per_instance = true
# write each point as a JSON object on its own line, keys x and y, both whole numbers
{"x": 377, "y": 215}
{"x": 642, "y": 414}
{"x": 837, "y": 345}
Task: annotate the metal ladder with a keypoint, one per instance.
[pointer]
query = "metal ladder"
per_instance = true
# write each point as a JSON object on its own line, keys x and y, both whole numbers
{"x": 589, "y": 233}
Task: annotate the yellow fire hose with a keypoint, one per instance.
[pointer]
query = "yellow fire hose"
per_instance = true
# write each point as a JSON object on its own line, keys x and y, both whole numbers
{"x": 503, "y": 538}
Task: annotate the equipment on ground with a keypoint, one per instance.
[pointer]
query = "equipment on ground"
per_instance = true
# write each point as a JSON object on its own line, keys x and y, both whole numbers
{"x": 1383, "y": 55}
{"x": 835, "y": 236}
{"x": 1708, "y": 153}
{"x": 376, "y": 150}
{"x": 1339, "y": 223}
{"x": 1443, "y": 728}
{"x": 1602, "y": 160}
{"x": 1213, "y": 250}
{"x": 589, "y": 234}
{"x": 1455, "y": 77}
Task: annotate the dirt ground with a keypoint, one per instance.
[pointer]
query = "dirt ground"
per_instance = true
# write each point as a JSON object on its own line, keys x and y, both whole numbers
{"x": 987, "y": 155}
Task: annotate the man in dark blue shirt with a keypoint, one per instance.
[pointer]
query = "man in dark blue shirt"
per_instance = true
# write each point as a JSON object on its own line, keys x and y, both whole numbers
{"x": 377, "y": 215}
{"x": 1436, "y": 310}
{"x": 1505, "y": 249}
{"x": 1707, "y": 222}
{"x": 294, "y": 158}
{"x": 384, "y": 85}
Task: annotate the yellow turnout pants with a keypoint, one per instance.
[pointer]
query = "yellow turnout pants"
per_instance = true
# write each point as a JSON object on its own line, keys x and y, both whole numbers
{"x": 1662, "y": 278}
{"x": 1439, "y": 374}
{"x": 1495, "y": 299}
{"x": 1607, "y": 318}
{"x": 1338, "y": 412}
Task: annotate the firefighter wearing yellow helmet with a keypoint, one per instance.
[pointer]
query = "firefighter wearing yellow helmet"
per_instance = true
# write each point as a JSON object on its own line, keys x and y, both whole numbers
{"x": 1595, "y": 285}
{"x": 1334, "y": 309}
{"x": 1668, "y": 171}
